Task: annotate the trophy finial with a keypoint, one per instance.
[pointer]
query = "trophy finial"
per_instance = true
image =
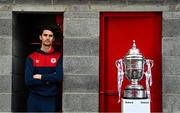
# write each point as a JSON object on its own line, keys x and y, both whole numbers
{"x": 134, "y": 50}
{"x": 134, "y": 44}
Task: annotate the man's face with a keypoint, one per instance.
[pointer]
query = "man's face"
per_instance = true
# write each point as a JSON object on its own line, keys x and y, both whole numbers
{"x": 47, "y": 37}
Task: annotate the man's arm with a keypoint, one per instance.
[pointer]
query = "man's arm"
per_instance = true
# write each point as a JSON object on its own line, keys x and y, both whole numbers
{"x": 29, "y": 80}
{"x": 56, "y": 77}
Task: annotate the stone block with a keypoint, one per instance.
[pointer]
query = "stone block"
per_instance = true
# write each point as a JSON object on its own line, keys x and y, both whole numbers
{"x": 170, "y": 46}
{"x": 171, "y": 84}
{"x": 171, "y": 15}
{"x": 171, "y": 2}
{"x": 109, "y": 2}
{"x": 171, "y": 103}
{"x": 81, "y": 65}
{"x": 6, "y": 26}
{"x": 70, "y": 1}
{"x": 6, "y": 65}
{"x": 171, "y": 65}
{"x": 6, "y": 46}
{"x": 5, "y": 102}
{"x": 5, "y": 15}
{"x": 78, "y": 7}
{"x": 6, "y": 83}
{"x": 6, "y": 1}
{"x": 45, "y": 2}
{"x": 145, "y": 1}
{"x": 80, "y": 102}
{"x": 81, "y": 14}
{"x": 171, "y": 27}
{"x": 18, "y": 65}
{"x": 81, "y": 46}
{"x": 81, "y": 27}
{"x": 81, "y": 83}
{"x": 80, "y": 112}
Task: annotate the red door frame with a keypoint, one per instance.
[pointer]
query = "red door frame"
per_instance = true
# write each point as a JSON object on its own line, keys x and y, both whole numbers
{"x": 102, "y": 91}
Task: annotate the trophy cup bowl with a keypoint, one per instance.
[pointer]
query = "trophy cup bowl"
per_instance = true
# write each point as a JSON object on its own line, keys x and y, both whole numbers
{"x": 134, "y": 68}
{"x": 134, "y": 71}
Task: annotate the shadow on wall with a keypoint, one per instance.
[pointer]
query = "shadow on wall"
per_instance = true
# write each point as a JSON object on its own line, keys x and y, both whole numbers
{"x": 26, "y": 40}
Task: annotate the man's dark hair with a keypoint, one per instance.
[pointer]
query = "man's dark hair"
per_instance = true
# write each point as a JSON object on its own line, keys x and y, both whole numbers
{"x": 45, "y": 28}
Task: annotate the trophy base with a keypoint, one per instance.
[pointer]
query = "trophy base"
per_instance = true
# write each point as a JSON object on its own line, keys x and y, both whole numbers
{"x": 134, "y": 92}
{"x": 136, "y": 106}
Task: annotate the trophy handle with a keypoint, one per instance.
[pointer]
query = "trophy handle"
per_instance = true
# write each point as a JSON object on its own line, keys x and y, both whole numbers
{"x": 119, "y": 65}
{"x": 148, "y": 74}
{"x": 152, "y": 63}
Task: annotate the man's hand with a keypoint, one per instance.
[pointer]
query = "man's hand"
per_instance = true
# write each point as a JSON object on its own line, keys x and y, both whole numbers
{"x": 37, "y": 76}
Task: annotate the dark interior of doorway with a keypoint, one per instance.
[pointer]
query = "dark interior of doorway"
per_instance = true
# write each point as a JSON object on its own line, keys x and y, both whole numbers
{"x": 25, "y": 40}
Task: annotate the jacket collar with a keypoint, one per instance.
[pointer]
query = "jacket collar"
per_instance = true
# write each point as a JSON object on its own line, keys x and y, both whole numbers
{"x": 51, "y": 51}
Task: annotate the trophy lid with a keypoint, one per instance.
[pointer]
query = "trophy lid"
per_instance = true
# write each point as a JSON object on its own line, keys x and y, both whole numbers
{"x": 134, "y": 53}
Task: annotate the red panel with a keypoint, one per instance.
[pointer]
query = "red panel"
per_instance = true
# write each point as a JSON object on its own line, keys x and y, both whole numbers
{"x": 116, "y": 35}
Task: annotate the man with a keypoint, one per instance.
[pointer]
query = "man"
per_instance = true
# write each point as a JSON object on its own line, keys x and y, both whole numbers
{"x": 43, "y": 73}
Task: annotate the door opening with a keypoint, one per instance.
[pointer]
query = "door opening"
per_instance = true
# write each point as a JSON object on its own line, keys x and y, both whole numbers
{"x": 26, "y": 26}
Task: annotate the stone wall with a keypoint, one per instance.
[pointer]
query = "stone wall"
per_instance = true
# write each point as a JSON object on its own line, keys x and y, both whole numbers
{"x": 171, "y": 62}
{"x": 5, "y": 60}
{"x": 81, "y": 48}
{"x": 81, "y": 61}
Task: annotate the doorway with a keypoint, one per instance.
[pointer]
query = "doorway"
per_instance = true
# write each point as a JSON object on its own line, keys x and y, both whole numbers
{"x": 118, "y": 30}
{"x": 26, "y": 27}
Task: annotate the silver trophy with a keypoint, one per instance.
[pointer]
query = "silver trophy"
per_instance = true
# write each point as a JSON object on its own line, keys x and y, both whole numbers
{"x": 133, "y": 67}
